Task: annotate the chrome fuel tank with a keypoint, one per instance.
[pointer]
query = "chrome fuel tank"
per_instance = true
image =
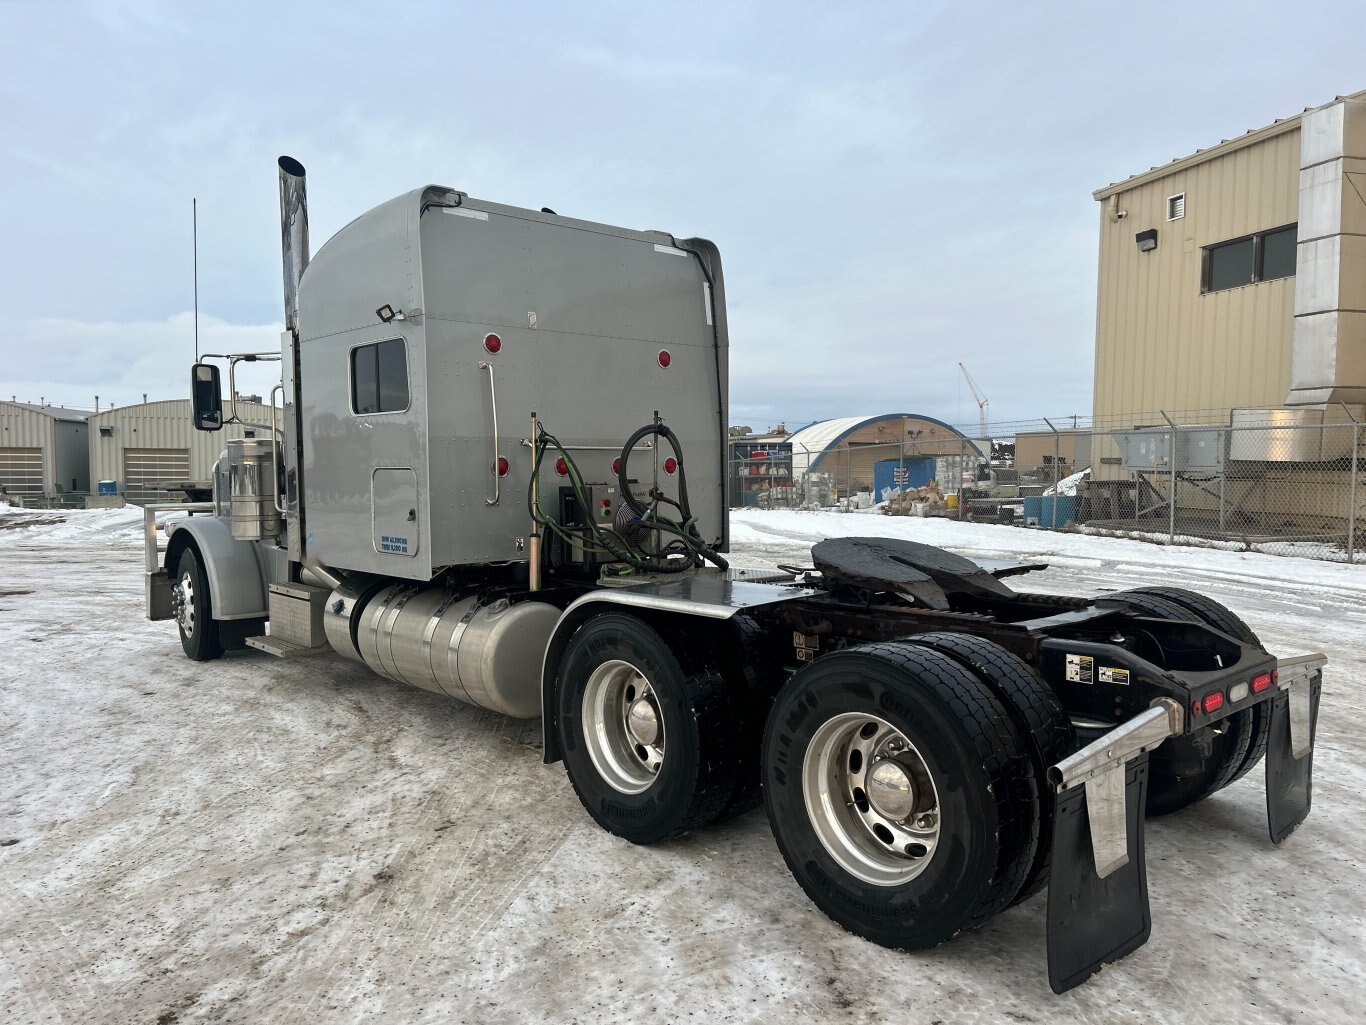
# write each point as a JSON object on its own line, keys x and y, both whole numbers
{"x": 483, "y": 653}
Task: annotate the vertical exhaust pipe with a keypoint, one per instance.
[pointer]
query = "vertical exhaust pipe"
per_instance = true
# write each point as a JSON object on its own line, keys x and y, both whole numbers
{"x": 293, "y": 235}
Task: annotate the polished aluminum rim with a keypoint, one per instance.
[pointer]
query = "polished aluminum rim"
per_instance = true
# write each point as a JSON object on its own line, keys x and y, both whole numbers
{"x": 623, "y": 727}
{"x": 183, "y": 600}
{"x": 870, "y": 799}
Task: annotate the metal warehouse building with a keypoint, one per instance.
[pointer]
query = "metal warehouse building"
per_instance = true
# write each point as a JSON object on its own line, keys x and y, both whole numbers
{"x": 848, "y": 449}
{"x": 146, "y": 446}
{"x": 1231, "y": 305}
{"x": 43, "y": 450}
{"x": 1236, "y": 277}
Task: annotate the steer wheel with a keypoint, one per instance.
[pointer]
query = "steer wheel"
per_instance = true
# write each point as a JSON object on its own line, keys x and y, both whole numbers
{"x": 192, "y": 607}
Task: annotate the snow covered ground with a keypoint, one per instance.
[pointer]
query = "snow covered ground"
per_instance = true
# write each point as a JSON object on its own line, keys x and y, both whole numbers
{"x": 258, "y": 841}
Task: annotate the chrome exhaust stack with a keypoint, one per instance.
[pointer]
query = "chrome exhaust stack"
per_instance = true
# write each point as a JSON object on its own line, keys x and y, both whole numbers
{"x": 294, "y": 254}
{"x": 293, "y": 235}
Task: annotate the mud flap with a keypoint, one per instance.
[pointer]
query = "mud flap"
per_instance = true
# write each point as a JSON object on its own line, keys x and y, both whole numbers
{"x": 1290, "y": 751}
{"x": 1095, "y": 919}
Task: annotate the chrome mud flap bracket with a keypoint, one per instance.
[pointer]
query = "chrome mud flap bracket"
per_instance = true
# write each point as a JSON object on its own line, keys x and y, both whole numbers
{"x": 1290, "y": 747}
{"x": 1098, "y": 883}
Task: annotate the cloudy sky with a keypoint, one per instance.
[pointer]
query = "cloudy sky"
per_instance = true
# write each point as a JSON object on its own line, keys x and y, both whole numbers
{"x": 894, "y": 187}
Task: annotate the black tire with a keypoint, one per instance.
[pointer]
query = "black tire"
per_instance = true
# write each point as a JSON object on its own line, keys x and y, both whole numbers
{"x": 1185, "y": 770}
{"x": 194, "y": 610}
{"x": 754, "y": 671}
{"x": 1039, "y": 717}
{"x": 1228, "y": 621}
{"x": 986, "y": 802}
{"x": 700, "y": 764}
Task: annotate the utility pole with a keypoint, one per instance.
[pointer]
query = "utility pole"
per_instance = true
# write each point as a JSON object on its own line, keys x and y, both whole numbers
{"x": 194, "y": 215}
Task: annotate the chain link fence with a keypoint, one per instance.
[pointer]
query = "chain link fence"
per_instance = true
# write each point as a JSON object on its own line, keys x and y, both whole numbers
{"x": 1266, "y": 482}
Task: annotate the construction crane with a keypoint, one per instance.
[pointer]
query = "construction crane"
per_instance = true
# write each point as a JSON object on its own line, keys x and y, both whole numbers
{"x": 982, "y": 402}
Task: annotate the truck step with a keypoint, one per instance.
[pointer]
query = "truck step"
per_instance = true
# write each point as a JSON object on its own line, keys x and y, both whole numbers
{"x": 283, "y": 649}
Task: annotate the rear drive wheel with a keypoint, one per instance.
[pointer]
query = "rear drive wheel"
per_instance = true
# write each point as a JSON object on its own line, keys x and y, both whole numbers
{"x": 648, "y": 742}
{"x": 1228, "y": 621}
{"x": 1185, "y": 770}
{"x": 1038, "y": 715}
{"x": 193, "y": 609}
{"x": 900, "y": 793}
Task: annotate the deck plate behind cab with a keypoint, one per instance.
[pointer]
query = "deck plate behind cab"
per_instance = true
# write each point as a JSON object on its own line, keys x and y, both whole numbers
{"x": 907, "y": 567}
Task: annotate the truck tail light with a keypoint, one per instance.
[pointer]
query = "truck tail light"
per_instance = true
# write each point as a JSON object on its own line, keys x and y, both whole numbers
{"x": 664, "y": 358}
{"x": 616, "y": 465}
{"x": 671, "y": 466}
{"x": 502, "y": 466}
{"x": 561, "y": 467}
{"x": 1261, "y": 682}
{"x": 1213, "y": 701}
{"x": 492, "y": 342}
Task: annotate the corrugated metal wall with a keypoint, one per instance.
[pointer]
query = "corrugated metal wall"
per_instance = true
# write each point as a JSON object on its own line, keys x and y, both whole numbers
{"x": 163, "y": 426}
{"x": 1032, "y": 446}
{"x": 26, "y": 429}
{"x": 1160, "y": 343}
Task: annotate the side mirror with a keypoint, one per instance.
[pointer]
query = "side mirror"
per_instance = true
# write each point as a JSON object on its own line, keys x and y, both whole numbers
{"x": 206, "y": 397}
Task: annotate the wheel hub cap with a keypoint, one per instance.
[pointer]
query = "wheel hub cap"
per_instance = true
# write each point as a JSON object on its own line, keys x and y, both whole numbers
{"x": 890, "y": 791}
{"x": 182, "y": 603}
{"x": 643, "y": 721}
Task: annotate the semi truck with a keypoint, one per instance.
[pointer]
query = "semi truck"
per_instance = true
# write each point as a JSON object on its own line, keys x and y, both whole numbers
{"x": 497, "y": 471}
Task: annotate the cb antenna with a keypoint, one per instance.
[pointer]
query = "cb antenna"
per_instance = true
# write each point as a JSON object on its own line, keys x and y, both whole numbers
{"x": 194, "y": 220}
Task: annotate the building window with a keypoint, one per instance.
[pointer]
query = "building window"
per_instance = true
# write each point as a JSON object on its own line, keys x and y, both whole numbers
{"x": 1176, "y": 206}
{"x": 1277, "y": 254}
{"x": 379, "y": 377}
{"x": 1262, "y": 257}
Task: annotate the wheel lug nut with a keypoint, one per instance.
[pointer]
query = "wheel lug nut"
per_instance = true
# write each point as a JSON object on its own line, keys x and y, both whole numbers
{"x": 925, "y": 821}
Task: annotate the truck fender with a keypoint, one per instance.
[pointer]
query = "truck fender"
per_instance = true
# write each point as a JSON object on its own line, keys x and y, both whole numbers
{"x": 585, "y": 608}
{"x": 237, "y": 587}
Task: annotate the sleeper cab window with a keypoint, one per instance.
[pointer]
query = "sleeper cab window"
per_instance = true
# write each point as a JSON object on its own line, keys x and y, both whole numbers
{"x": 379, "y": 377}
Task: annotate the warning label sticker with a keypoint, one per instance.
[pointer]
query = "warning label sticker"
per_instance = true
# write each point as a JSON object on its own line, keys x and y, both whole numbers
{"x": 1081, "y": 669}
{"x": 1119, "y": 676}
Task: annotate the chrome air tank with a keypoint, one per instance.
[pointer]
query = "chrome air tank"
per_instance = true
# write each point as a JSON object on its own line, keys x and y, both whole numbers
{"x": 485, "y": 653}
{"x": 251, "y": 489}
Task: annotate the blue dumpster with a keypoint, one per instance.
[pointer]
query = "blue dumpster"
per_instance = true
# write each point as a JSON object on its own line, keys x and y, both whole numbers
{"x": 1057, "y": 511}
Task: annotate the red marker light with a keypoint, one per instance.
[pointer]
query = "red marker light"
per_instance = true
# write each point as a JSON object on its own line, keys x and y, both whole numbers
{"x": 1195, "y": 707}
{"x": 664, "y": 358}
{"x": 606, "y": 503}
{"x": 502, "y": 466}
{"x": 492, "y": 342}
{"x": 616, "y": 465}
{"x": 561, "y": 467}
{"x": 671, "y": 466}
{"x": 1213, "y": 702}
{"x": 1261, "y": 682}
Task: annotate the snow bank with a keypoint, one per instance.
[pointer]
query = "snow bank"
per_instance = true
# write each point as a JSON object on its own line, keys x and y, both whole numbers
{"x": 989, "y": 540}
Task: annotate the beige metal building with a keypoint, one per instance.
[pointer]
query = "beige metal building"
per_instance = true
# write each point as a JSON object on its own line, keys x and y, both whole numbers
{"x": 144, "y": 447}
{"x": 1236, "y": 277}
{"x": 1036, "y": 450}
{"x": 43, "y": 450}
